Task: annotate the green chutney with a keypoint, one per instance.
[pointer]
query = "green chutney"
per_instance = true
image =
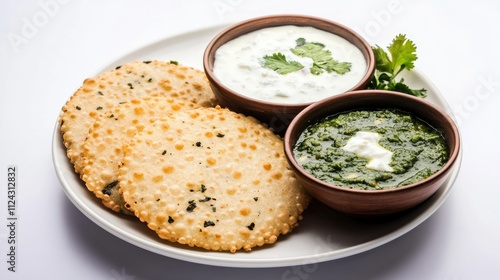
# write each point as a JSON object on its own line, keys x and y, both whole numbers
{"x": 418, "y": 150}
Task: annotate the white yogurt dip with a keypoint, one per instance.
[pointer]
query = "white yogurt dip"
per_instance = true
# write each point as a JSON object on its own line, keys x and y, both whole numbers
{"x": 239, "y": 65}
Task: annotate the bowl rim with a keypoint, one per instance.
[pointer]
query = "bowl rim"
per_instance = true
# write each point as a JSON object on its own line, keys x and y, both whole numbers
{"x": 286, "y": 18}
{"x": 453, "y": 154}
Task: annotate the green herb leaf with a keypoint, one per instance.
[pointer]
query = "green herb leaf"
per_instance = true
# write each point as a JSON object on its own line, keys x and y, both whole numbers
{"x": 401, "y": 87}
{"x": 382, "y": 61}
{"x": 315, "y": 51}
{"x": 402, "y": 55}
{"x": 278, "y": 63}
{"x": 208, "y": 224}
{"x": 251, "y": 226}
{"x": 322, "y": 58}
{"x": 191, "y": 206}
{"x": 108, "y": 189}
{"x": 335, "y": 66}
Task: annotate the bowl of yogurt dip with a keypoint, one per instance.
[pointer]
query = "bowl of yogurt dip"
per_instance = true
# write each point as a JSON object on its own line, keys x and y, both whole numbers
{"x": 273, "y": 67}
{"x": 372, "y": 153}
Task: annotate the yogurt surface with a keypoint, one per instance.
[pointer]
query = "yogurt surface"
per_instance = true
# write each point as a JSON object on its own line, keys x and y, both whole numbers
{"x": 239, "y": 65}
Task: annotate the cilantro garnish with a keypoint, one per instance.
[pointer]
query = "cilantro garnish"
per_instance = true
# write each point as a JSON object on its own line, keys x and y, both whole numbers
{"x": 401, "y": 56}
{"x": 321, "y": 57}
{"x": 278, "y": 63}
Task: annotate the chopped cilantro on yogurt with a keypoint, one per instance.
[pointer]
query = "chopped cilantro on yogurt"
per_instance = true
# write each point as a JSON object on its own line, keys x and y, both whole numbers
{"x": 289, "y": 64}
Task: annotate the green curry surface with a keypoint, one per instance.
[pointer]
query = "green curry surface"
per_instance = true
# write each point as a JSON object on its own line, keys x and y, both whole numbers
{"x": 418, "y": 149}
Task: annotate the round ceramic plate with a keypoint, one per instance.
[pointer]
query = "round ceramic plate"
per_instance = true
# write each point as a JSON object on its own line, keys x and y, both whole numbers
{"x": 323, "y": 235}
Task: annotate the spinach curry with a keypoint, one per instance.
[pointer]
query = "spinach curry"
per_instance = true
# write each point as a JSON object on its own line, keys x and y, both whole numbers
{"x": 412, "y": 149}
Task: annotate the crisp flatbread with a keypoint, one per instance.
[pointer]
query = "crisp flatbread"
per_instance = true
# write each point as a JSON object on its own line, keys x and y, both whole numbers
{"x": 108, "y": 137}
{"x": 100, "y": 94}
{"x": 211, "y": 178}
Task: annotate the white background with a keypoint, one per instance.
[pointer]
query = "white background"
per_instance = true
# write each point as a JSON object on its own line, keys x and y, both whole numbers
{"x": 48, "y": 47}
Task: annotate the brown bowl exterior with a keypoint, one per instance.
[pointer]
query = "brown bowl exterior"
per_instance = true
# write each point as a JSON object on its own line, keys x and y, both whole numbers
{"x": 376, "y": 203}
{"x": 277, "y": 116}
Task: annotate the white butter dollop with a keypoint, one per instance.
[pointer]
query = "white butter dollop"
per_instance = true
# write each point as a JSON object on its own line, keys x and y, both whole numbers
{"x": 365, "y": 145}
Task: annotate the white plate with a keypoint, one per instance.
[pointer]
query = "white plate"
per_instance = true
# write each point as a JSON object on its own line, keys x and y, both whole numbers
{"x": 323, "y": 235}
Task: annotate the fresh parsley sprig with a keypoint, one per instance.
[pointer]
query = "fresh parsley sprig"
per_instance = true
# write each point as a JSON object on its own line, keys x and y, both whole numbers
{"x": 401, "y": 56}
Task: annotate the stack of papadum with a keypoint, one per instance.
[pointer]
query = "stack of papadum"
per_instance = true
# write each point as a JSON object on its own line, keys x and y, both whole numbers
{"x": 149, "y": 140}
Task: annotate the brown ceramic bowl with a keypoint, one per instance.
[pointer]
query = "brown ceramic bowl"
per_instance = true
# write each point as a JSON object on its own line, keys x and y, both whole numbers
{"x": 373, "y": 203}
{"x": 276, "y": 115}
